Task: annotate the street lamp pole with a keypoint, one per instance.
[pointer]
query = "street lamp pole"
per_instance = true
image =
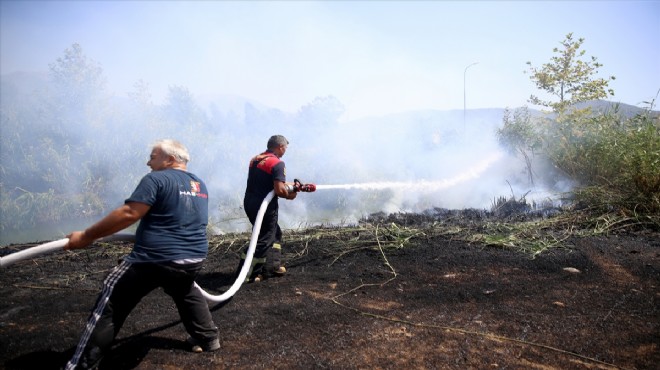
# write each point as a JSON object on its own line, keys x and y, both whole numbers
{"x": 464, "y": 100}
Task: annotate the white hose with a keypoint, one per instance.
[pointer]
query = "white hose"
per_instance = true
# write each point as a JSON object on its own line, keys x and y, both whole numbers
{"x": 60, "y": 244}
{"x": 54, "y": 246}
{"x": 248, "y": 258}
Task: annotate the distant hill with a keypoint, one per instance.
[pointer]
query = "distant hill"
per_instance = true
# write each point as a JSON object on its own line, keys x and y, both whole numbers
{"x": 605, "y": 106}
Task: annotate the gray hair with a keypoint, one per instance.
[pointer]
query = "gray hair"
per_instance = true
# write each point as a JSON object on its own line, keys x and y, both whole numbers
{"x": 275, "y": 141}
{"x": 173, "y": 148}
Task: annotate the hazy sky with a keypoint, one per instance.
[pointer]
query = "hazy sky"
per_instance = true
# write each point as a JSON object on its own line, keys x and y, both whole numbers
{"x": 376, "y": 57}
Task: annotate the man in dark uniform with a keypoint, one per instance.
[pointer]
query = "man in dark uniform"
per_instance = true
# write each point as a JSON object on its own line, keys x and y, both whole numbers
{"x": 267, "y": 172}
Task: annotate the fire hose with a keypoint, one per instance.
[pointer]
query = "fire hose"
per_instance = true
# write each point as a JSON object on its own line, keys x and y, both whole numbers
{"x": 53, "y": 247}
{"x": 297, "y": 186}
{"x": 248, "y": 256}
{"x": 56, "y": 245}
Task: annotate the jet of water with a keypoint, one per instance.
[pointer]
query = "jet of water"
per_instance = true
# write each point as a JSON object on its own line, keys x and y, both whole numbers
{"x": 424, "y": 185}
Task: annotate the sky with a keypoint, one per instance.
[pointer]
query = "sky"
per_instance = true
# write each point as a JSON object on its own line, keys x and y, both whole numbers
{"x": 376, "y": 57}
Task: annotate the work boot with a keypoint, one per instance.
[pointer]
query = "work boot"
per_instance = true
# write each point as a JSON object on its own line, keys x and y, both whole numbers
{"x": 275, "y": 267}
{"x": 90, "y": 359}
{"x": 278, "y": 272}
{"x": 254, "y": 271}
{"x": 198, "y": 346}
{"x": 281, "y": 271}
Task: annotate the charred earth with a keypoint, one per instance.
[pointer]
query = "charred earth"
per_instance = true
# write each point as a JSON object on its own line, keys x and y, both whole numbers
{"x": 426, "y": 291}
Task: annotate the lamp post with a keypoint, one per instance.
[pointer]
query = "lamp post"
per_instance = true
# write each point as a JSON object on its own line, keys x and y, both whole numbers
{"x": 464, "y": 103}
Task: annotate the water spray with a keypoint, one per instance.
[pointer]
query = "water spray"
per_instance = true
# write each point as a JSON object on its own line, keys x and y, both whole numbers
{"x": 422, "y": 185}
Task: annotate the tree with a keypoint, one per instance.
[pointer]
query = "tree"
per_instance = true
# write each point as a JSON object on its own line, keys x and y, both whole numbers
{"x": 182, "y": 109}
{"x": 52, "y": 169}
{"x": 76, "y": 77}
{"x": 569, "y": 78}
{"x": 323, "y": 111}
{"x": 519, "y": 136}
{"x": 141, "y": 95}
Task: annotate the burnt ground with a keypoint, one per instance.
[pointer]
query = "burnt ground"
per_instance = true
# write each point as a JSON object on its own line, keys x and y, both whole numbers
{"x": 425, "y": 300}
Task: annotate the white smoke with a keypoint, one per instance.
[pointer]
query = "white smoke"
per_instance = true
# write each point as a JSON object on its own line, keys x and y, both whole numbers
{"x": 408, "y": 162}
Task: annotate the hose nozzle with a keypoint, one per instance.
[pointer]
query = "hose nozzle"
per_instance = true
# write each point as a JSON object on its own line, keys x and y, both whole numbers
{"x": 298, "y": 186}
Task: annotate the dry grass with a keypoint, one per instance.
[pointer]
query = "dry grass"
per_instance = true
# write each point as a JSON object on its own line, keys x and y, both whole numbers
{"x": 530, "y": 236}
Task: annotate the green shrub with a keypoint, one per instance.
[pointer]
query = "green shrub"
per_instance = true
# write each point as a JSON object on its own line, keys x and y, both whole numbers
{"x": 615, "y": 161}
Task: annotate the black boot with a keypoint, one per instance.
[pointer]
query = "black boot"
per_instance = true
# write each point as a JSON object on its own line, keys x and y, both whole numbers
{"x": 90, "y": 359}
{"x": 255, "y": 273}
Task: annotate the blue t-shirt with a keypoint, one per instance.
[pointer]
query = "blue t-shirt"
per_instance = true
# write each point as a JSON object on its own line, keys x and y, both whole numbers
{"x": 175, "y": 226}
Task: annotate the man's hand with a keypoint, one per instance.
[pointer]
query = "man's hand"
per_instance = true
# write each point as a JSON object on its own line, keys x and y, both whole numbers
{"x": 78, "y": 240}
{"x": 282, "y": 191}
{"x": 119, "y": 219}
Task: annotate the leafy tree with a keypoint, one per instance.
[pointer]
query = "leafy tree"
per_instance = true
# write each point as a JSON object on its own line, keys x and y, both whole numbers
{"x": 142, "y": 114}
{"x": 182, "y": 109}
{"x": 141, "y": 95}
{"x": 49, "y": 172}
{"x": 612, "y": 157}
{"x": 322, "y": 112}
{"x": 76, "y": 78}
{"x": 569, "y": 78}
{"x": 520, "y": 137}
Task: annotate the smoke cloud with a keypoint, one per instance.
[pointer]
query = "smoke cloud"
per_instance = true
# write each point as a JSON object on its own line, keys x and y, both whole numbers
{"x": 70, "y": 149}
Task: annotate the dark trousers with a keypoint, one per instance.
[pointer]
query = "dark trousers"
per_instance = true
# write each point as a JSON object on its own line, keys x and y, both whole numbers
{"x": 269, "y": 234}
{"x": 127, "y": 285}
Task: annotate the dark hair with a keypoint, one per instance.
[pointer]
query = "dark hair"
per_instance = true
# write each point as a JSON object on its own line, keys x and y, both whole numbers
{"x": 275, "y": 141}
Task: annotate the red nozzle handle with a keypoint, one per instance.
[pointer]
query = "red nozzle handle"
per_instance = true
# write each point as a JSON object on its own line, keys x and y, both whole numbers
{"x": 306, "y": 188}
